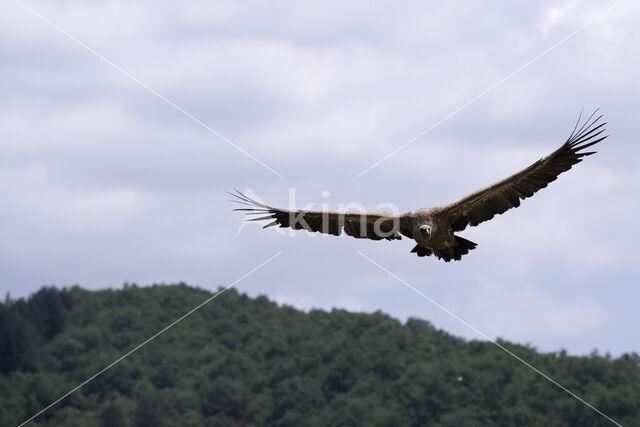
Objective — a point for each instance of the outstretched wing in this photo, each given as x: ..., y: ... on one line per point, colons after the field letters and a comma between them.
x: 497, y: 198
x: 375, y: 225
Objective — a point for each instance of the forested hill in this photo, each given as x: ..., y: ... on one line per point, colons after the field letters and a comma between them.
x: 243, y: 361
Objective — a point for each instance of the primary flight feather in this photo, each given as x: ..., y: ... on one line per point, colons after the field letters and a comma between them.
x: 433, y: 228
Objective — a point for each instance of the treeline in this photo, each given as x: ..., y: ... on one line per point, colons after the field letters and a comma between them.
x: 243, y: 361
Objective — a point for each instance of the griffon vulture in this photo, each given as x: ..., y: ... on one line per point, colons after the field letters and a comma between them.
x: 433, y: 228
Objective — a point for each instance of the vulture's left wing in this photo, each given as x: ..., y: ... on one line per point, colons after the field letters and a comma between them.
x: 375, y: 225
x: 484, y: 204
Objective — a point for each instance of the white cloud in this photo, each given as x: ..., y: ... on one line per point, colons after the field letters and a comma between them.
x: 523, y: 313
x: 90, y: 159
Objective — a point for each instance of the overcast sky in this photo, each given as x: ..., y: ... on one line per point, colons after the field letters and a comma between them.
x: 103, y: 181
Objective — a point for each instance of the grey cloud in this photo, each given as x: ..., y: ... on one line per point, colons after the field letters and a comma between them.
x: 103, y: 182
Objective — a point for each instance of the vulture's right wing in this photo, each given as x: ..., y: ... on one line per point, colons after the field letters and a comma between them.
x: 375, y: 225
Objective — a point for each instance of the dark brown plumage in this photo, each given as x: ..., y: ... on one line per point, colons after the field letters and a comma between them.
x: 433, y: 228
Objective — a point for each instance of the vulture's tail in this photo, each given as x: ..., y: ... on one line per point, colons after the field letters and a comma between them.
x: 462, y: 247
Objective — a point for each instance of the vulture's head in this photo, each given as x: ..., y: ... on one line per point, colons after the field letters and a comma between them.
x: 425, y: 231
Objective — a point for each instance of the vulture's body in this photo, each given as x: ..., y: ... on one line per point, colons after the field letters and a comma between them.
x: 433, y: 228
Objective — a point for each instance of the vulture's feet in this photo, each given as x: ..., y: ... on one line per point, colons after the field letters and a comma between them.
x: 461, y: 247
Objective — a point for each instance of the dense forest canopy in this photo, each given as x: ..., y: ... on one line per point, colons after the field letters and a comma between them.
x: 243, y: 361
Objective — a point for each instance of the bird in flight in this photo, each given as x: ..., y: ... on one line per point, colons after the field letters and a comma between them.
x: 433, y: 228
